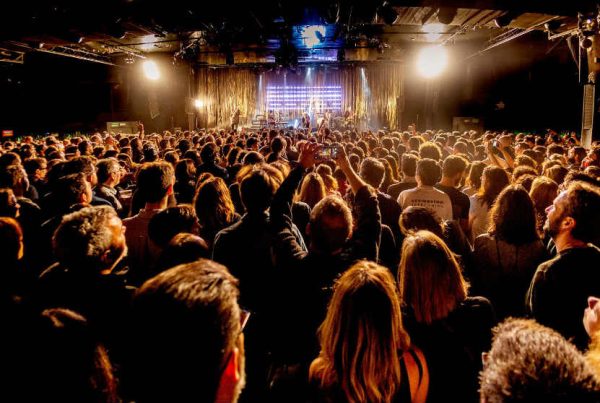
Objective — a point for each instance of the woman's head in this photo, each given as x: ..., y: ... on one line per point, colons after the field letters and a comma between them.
x: 493, y: 180
x: 362, y: 335
x: 430, y: 279
x: 312, y: 189
x: 213, y: 204
x: 513, y: 216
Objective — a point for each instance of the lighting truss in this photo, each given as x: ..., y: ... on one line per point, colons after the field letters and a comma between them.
x: 11, y: 56
x: 76, y: 53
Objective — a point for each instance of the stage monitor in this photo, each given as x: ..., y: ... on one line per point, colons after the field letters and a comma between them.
x: 462, y: 124
x: 122, y: 127
x: 312, y: 99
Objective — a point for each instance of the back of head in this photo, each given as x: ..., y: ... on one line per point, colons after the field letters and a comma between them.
x: 494, y: 179
x: 454, y: 165
x: 529, y: 362
x: 428, y: 171
x: 513, y: 216
x: 185, y: 323
x: 183, y: 248
x: 208, y: 153
x: 312, y: 189
x: 416, y: 218
x: 429, y: 277
x: 430, y: 150
x: 154, y: 181
x: 84, y: 240
x: 258, y: 184
x: 330, y: 225
x: 64, y: 361
x: 372, y: 171
x: 167, y: 223
x: 409, y: 164
x: 362, y: 336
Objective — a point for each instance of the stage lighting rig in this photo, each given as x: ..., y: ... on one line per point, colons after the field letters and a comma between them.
x: 446, y: 15
x: 588, y: 24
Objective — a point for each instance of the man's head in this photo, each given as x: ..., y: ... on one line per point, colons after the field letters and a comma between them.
x: 14, y: 177
x: 90, y: 241
x: 83, y: 164
x: 372, y: 171
x: 529, y: 362
x: 454, y: 168
x: 428, y: 172
x: 330, y: 225
x: 409, y: 164
x: 36, y: 168
x: 187, y: 342
x: 258, y: 184
x: 576, y: 213
x: 155, y: 181
x: 109, y: 172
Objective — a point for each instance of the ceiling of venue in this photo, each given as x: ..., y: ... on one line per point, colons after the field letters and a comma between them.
x: 272, y: 31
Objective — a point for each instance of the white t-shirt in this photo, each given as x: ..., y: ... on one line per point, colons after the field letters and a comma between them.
x: 478, y: 217
x: 429, y: 197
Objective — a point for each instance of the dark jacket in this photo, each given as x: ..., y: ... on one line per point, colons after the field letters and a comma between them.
x: 311, y: 274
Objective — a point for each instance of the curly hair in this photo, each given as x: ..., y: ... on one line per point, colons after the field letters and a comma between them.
x: 529, y: 362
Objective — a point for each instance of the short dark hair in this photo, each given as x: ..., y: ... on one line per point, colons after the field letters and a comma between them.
x: 258, y: 185
x: 154, y: 180
x: 70, y: 188
x: 453, y: 165
x: 165, y: 224
x: 529, y: 362
x: 185, y: 323
x: 106, y: 167
x: 83, y: 164
x: 583, y: 205
x: 409, y: 164
x: 372, y: 171
x: 429, y: 171
x: 208, y: 153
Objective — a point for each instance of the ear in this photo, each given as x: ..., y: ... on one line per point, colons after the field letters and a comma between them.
x: 231, y: 376
x: 568, y: 223
x: 170, y: 190
x: 308, y: 229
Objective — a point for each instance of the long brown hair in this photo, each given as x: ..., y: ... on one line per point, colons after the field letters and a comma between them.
x: 513, y: 216
x: 213, y: 205
x: 312, y: 189
x: 493, y: 180
x: 429, y: 277
x: 362, y: 336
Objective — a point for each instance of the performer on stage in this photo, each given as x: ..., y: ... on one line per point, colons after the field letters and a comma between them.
x: 271, y: 118
x: 235, y: 119
x: 306, y: 121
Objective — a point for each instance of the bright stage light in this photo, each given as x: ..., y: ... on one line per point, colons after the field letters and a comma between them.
x: 151, y: 70
x: 313, y: 35
x: 433, y: 32
x: 198, y: 103
x: 432, y: 61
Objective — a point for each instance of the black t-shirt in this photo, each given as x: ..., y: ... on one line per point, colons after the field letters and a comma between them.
x: 460, y: 202
x: 558, y: 293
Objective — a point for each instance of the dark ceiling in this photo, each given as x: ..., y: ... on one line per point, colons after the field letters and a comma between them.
x: 117, y: 31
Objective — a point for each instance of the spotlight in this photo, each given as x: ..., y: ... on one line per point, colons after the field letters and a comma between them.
x: 432, y: 61
x: 446, y: 15
x: 151, y: 70
x: 198, y: 103
x: 586, y: 43
x: 387, y: 13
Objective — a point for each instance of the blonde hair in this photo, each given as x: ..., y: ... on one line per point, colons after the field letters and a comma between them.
x: 312, y: 190
x: 362, y: 337
x: 429, y: 277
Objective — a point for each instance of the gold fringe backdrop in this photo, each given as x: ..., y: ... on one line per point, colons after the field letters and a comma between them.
x: 375, y: 92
